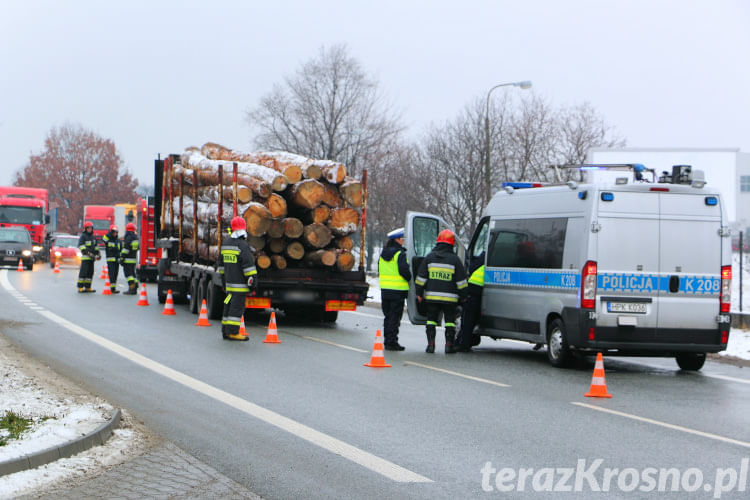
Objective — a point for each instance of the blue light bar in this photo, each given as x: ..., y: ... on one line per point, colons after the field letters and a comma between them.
x: 608, y: 196
x: 712, y: 201
x: 522, y: 185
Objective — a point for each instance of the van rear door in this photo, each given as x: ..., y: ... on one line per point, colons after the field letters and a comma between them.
x: 690, y: 253
x: 628, y: 263
x: 420, y: 233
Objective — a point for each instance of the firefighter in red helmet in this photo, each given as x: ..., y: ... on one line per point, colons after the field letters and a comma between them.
x: 129, y: 257
x: 237, y: 265
x: 441, y: 284
x: 112, y: 248
x: 89, y: 253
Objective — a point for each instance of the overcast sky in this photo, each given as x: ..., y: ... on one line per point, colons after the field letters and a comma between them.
x: 157, y: 76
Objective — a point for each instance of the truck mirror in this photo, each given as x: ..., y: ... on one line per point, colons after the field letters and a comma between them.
x: 46, y: 219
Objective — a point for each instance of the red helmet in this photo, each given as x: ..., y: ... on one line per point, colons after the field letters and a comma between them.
x: 113, y: 228
x: 130, y: 227
x: 238, y: 223
x: 446, y: 236
x: 88, y: 223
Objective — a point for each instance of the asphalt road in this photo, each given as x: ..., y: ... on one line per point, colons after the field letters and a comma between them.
x: 305, y: 419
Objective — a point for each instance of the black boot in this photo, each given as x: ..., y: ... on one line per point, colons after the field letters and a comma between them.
x: 132, y: 288
x: 430, y: 340
x: 450, y: 334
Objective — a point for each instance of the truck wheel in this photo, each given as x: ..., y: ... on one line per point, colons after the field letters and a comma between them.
x: 558, y: 352
x: 330, y: 316
x: 691, y: 361
x: 214, y: 301
x: 194, y: 304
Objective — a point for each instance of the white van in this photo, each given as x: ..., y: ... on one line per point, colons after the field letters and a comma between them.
x: 629, y: 267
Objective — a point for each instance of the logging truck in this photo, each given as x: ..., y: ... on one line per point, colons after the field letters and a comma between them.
x: 303, y: 218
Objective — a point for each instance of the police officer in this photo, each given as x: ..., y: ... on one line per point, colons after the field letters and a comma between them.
x: 441, y: 284
x: 128, y: 256
x: 237, y: 265
x: 89, y: 253
x: 393, y: 270
x: 112, y: 249
x: 472, y: 308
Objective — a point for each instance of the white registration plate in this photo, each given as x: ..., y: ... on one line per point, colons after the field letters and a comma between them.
x: 627, y: 307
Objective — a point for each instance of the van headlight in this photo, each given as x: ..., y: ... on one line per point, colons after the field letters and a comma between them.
x: 26, y: 253
x: 36, y: 248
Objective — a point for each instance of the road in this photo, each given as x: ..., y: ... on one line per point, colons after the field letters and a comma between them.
x: 305, y: 419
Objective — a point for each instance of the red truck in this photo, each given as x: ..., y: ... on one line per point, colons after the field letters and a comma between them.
x: 27, y: 207
x: 101, y: 216
x: 149, y: 255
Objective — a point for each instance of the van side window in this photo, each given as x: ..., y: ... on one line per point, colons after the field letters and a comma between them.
x: 425, y: 234
x: 480, y: 243
x: 532, y: 243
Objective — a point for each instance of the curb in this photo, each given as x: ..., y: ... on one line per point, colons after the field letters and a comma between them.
x: 95, y: 438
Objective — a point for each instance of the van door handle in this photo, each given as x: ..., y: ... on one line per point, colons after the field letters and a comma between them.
x: 674, y: 284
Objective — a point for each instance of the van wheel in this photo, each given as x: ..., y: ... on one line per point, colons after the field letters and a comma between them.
x: 691, y: 361
x: 558, y: 352
x: 194, y: 304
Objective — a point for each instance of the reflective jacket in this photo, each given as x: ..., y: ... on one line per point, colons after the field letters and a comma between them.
x: 87, y: 246
x: 476, y: 272
x: 393, y: 270
x: 441, y: 277
x: 236, y: 263
x: 112, y: 247
x: 129, y: 250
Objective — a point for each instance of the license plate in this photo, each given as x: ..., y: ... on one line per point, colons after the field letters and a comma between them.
x: 627, y: 307
x: 299, y: 296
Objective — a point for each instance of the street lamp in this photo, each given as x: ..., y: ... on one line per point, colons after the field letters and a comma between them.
x: 526, y: 84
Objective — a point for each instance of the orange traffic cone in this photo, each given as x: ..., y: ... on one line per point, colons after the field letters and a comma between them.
x: 107, y: 288
x: 598, y: 385
x: 105, y: 273
x: 242, y: 326
x: 203, y: 318
x: 169, y: 305
x: 56, y: 270
x: 143, y: 298
x: 272, y: 336
x: 377, y: 360
x: 20, y: 265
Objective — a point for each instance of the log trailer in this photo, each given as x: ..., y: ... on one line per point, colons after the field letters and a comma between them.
x: 314, y: 286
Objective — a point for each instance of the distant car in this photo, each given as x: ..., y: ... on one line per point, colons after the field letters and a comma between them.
x: 64, y: 249
x: 15, y: 244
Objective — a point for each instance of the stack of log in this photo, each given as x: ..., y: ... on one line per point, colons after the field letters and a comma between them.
x: 299, y: 211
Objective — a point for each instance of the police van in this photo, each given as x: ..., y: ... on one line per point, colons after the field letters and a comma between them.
x: 626, y: 267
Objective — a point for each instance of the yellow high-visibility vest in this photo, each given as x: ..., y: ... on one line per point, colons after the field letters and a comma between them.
x: 390, y: 279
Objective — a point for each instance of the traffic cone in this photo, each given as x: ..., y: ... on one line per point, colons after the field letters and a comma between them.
x: 242, y: 326
x: 20, y: 265
x: 377, y: 360
x: 56, y: 270
x: 203, y: 318
x: 143, y: 298
x: 107, y: 288
x: 598, y: 385
x: 272, y: 336
x: 169, y: 305
x: 105, y: 273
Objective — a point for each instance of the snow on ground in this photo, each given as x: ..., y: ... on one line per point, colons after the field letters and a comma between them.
x: 736, y: 282
x: 738, y: 345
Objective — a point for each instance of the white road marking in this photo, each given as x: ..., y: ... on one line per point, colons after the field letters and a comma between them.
x: 329, y: 443
x: 725, y: 377
x: 403, y: 321
x: 322, y: 341
x: 37, y: 308
x: 708, y: 435
x: 449, y: 372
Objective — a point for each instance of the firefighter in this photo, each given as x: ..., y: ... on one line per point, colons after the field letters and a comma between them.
x: 89, y: 253
x: 237, y: 265
x: 112, y: 249
x: 472, y: 309
x: 128, y: 257
x: 393, y: 270
x: 441, y: 284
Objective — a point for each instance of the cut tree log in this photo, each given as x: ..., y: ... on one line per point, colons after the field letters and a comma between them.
x: 210, y: 194
x: 276, y: 229
x: 294, y: 250
x: 262, y: 189
x: 276, y: 161
x: 293, y: 228
x: 276, y: 204
x: 321, y: 258
x: 257, y: 242
x: 275, y: 245
x: 345, y: 243
x: 311, y: 171
x: 319, y: 214
x: 335, y: 173
x: 344, y: 260
x: 262, y: 261
x: 343, y: 221
x: 331, y: 196
x: 351, y: 192
x: 317, y: 235
x: 258, y: 219
x: 197, y: 161
x: 279, y: 262
x: 307, y: 193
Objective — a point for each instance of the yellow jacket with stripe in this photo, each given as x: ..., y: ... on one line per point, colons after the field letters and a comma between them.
x: 236, y: 263
x: 441, y: 277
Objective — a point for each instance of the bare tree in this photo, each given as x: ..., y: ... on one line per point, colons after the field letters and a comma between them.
x: 79, y: 168
x: 328, y: 109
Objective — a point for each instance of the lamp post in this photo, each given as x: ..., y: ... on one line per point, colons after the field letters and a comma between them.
x: 487, y: 171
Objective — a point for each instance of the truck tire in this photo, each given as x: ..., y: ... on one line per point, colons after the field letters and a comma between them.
x: 690, y: 361
x: 558, y: 352
x: 214, y: 301
x: 194, y: 304
x: 330, y: 316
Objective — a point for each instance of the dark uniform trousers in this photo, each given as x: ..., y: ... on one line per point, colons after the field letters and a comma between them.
x: 234, y: 309
x: 85, y: 273
x: 469, y: 316
x: 393, y: 310
x: 113, y: 268
x: 450, y: 311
